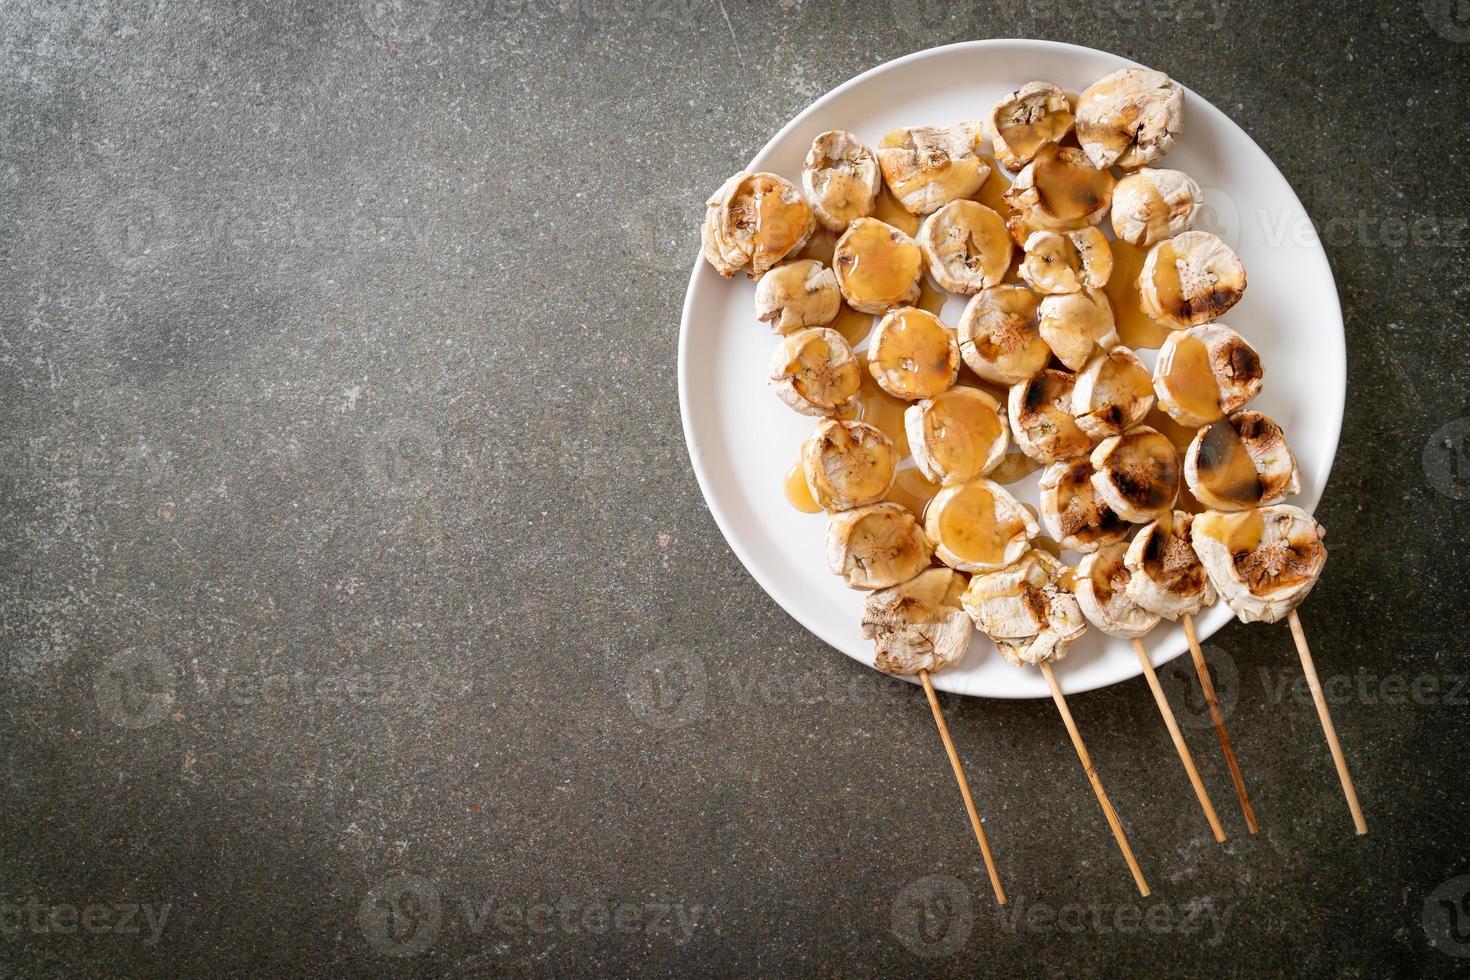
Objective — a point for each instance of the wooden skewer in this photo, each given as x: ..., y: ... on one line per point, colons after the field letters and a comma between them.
x: 959, y: 775
x: 1178, y: 737
x: 1208, y: 687
x: 1338, y: 759
x: 1092, y: 777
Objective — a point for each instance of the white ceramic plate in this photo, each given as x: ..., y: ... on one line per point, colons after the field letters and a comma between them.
x: 742, y: 439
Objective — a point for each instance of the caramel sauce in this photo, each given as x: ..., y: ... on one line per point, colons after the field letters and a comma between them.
x: 911, y: 490
x: 1025, y: 139
x: 779, y: 225
x: 881, y: 410
x: 877, y: 266
x: 991, y: 193
x: 854, y: 325
x: 1191, y: 379
x: 970, y: 527
x: 798, y: 494
x: 887, y: 209
x: 901, y: 353
x: 1226, y: 468
x: 1136, y: 328
x: 1069, y: 191
x: 820, y: 247
x: 845, y: 196
x: 1013, y: 467
x: 960, y: 427
x: 1048, y: 545
x: 1239, y: 531
x: 1166, y: 277
x: 931, y: 299
x: 813, y: 356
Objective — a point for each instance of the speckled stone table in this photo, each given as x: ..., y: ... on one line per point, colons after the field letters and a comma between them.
x: 360, y: 611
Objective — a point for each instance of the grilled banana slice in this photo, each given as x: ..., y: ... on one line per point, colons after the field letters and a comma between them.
x: 797, y: 294
x: 920, y: 624
x: 1152, y: 205
x: 1262, y: 562
x: 1166, y: 577
x: 999, y: 336
x: 913, y: 354
x: 1114, y: 391
x: 1239, y: 462
x: 967, y: 247
x: 1059, y: 190
x: 878, y: 267
x: 1077, y: 326
x: 841, y: 179
x: 1129, y: 118
x: 877, y: 546
x: 958, y: 435
x: 1137, y: 473
x: 1190, y: 279
x: 848, y: 464
x: 927, y: 167
x: 977, y: 526
x: 816, y: 373
x: 1066, y: 261
x: 1073, y: 512
x: 1041, y: 417
x: 1023, y: 121
x: 1028, y: 608
x: 1102, y: 592
x: 754, y: 221
x: 1205, y: 373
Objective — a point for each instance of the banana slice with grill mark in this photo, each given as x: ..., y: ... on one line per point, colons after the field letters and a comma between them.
x: 1023, y: 121
x: 877, y: 546
x: 1077, y: 326
x: 913, y: 354
x: 919, y: 624
x: 1190, y: 279
x: 878, y: 267
x: 1240, y: 462
x: 966, y: 246
x: 1041, y: 417
x: 1073, y: 512
x: 1166, y: 577
x: 1129, y: 118
x: 816, y: 373
x: 1137, y: 473
x: 957, y: 435
x: 796, y: 295
x: 753, y: 222
x: 1102, y: 592
x: 1059, y: 190
x: 926, y: 167
x: 1067, y: 261
x: 848, y: 464
x: 1205, y: 373
x: 1114, y: 392
x: 999, y: 336
x: 1028, y: 608
x: 978, y: 525
x: 1262, y: 562
x: 1152, y: 205
x: 841, y: 179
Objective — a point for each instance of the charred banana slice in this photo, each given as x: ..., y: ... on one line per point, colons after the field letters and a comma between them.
x: 797, y: 294
x: 877, y: 546
x: 1262, y: 562
x: 1077, y: 326
x: 920, y: 624
x: 1041, y: 417
x: 999, y: 335
x: 841, y: 179
x: 1239, y: 462
x: 1114, y: 391
x: 913, y: 354
x: 878, y: 267
x: 1166, y: 577
x: 816, y: 373
x: 978, y: 525
x: 1205, y: 373
x: 1152, y: 205
x: 1137, y: 473
x: 1129, y: 118
x: 967, y: 247
x: 956, y: 436
x: 1059, y: 190
x: 1074, y: 515
x: 1190, y: 279
x: 753, y: 222
x: 926, y: 167
x: 1102, y: 592
x: 848, y: 464
x: 1028, y: 609
x: 1066, y: 261
x: 1023, y: 121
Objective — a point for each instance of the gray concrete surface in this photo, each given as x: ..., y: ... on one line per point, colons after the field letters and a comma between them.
x: 341, y: 537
